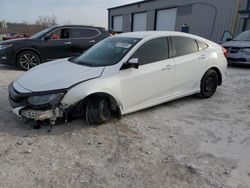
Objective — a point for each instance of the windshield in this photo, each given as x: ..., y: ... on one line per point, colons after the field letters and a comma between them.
x: 41, y: 33
x: 107, y: 52
x: 245, y: 36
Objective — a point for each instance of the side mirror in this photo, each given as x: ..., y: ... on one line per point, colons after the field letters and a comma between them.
x: 227, y: 36
x: 134, y: 63
x: 46, y: 38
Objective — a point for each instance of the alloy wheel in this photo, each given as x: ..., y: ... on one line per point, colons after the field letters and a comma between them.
x: 28, y: 61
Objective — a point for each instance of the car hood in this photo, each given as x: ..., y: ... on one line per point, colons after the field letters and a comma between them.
x: 240, y: 44
x: 55, y: 75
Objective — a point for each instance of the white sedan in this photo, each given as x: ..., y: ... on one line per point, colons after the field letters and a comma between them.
x: 120, y: 75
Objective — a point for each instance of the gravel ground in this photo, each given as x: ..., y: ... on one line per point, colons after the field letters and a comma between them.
x: 185, y: 143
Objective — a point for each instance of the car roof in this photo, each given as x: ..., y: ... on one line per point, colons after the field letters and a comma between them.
x: 145, y: 34
x: 89, y: 26
x: 152, y: 34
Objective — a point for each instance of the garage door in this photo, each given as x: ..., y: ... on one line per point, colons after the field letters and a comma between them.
x: 117, y: 23
x: 166, y: 19
x: 139, y: 21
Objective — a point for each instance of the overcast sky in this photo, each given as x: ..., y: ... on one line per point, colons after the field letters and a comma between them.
x: 85, y: 12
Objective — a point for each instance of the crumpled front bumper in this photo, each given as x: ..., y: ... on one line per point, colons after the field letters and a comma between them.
x: 39, y: 115
x: 22, y: 108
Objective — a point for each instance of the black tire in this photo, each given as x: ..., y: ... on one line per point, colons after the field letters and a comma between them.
x: 209, y: 84
x: 98, y: 111
x: 27, y: 60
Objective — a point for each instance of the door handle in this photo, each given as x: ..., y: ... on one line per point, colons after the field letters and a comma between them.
x: 91, y: 41
x: 203, y: 57
x: 67, y: 43
x: 167, y: 67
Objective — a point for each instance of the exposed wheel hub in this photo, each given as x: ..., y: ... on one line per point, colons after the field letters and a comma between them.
x: 209, y: 85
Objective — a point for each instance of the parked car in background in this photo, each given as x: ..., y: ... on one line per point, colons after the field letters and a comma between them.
x: 15, y: 36
x: 119, y: 75
x: 238, y: 48
x: 52, y: 43
x: 1, y: 36
x: 9, y: 35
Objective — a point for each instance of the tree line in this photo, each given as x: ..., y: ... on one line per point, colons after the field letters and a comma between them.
x: 30, y: 28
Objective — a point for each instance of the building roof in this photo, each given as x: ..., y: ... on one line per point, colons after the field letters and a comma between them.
x: 130, y: 4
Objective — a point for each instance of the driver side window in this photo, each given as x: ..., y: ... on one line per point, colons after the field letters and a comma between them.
x: 59, y: 34
x: 152, y: 51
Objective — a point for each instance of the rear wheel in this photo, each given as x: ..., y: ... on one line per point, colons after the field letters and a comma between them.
x: 27, y: 60
x: 98, y: 110
x: 209, y: 84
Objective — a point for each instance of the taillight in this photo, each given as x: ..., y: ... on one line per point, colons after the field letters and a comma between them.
x: 224, y: 51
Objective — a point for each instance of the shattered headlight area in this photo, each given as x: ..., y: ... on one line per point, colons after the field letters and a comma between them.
x: 50, y: 99
x: 38, y: 106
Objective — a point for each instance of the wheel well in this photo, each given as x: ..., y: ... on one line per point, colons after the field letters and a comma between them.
x: 219, y: 75
x: 23, y: 50
x: 79, y: 108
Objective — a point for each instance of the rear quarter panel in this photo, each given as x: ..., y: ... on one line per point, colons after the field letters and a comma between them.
x: 217, y: 59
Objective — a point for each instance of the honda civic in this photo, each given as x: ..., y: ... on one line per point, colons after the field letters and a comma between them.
x: 120, y: 75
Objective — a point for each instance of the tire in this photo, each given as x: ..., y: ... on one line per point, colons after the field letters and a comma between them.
x: 209, y: 83
x: 27, y: 60
x: 98, y: 111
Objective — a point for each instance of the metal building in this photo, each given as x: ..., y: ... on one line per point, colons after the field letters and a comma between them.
x: 206, y: 18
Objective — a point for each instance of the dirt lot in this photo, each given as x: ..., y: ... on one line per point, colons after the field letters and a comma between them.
x: 186, y: 143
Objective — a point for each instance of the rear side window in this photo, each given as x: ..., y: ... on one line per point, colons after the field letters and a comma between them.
x: 202, y: 45
x: 185, y: 46
x: 83, y: 33
x: 152, y: 51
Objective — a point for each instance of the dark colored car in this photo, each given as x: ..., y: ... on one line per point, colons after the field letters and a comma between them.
x: 238, y: 47
x: 52, y: 43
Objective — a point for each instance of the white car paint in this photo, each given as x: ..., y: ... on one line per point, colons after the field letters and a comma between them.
x: 64, y: 74
x: 132, y: 89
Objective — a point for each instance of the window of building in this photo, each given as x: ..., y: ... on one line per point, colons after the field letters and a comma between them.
x: 139, y: 22
x: 166, y: 19
x: 117, y: 22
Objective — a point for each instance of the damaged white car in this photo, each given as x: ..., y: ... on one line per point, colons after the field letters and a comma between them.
x: 119, y: 75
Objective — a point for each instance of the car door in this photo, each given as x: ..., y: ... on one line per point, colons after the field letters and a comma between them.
x: 57, y: 44
x: 153, y: 80
x: 83, y: 38
x: 190, y: 61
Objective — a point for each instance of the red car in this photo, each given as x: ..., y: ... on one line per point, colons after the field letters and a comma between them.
x: 15, y: 36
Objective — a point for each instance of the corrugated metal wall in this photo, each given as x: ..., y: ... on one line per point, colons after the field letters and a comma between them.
x: 207, y: 18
